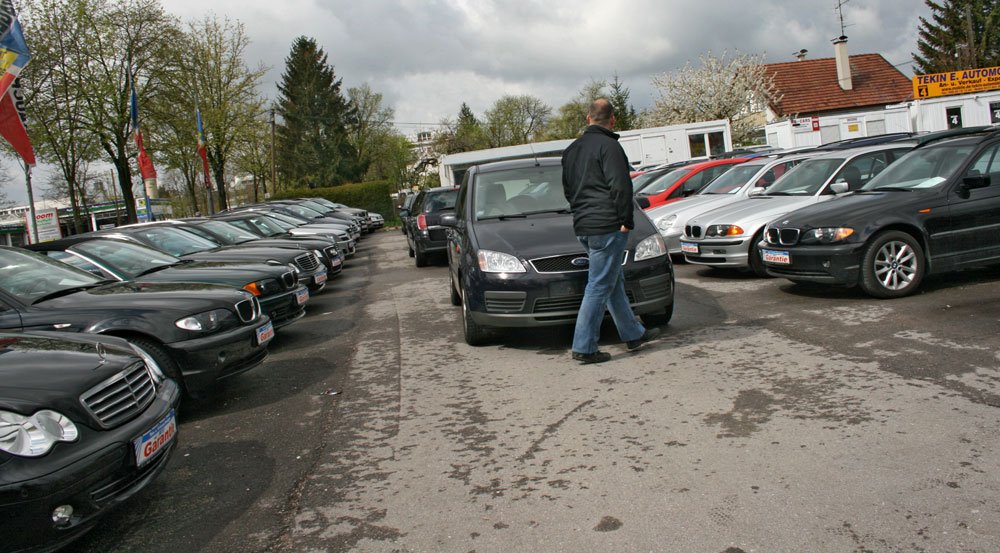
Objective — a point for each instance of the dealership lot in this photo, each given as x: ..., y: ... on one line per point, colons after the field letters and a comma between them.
x: 771, y: 417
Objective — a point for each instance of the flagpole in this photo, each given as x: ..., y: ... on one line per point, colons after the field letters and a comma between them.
x: 31, y: 205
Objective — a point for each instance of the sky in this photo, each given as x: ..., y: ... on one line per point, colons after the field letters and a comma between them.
x: 427, y: 57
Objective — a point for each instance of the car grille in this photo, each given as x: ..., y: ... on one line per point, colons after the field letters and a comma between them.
x: 566, y: 303
x: 692, y: 231
x: 248, y: 309
x: 563, y: 263
x: 307, y: 262
x: 785, y: 236
x: 504, y: 306
x: 288, y: 280
x: 122, y: 397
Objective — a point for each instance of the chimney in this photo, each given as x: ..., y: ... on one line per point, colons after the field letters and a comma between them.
x: 801, y: 54
x: 843, y: 62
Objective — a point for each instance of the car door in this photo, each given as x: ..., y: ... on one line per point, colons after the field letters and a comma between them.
x: 859, y: 170
x: 975, y: 213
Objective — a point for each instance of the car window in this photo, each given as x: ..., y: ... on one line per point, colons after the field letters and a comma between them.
x: 858, y: 171
x: 78, y: 262
x: 664, y: 182
x: 734, y: 179
x: 806, y: 179
x: 988, y: 163
x: 173, y: 241
x: 231, y: 233
x: 29, y: 276
x: 131, y: 259
x: 440, y: 201
x: 921, y: 168
x: 520, y: 191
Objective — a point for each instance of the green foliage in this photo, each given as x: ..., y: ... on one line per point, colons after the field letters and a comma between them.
x: 516, y: 120
x: 313, y: 146
x: 626, y: 118
x: 376, y: 196
x: 962, y: 34
x: 572, y: 117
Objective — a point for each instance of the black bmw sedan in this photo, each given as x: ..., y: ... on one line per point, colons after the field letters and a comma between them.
x: 198, y: 334
x: 936, y: 209
x: 280, y: 295
x: 515, y: 261
x: 86, y: 422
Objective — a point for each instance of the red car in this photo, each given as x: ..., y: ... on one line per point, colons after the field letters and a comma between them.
x: 684, y: 181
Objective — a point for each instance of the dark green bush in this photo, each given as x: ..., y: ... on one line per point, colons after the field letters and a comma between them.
x: 375, y: 196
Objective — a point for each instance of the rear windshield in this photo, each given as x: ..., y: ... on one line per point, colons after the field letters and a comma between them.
x: 440, y: 201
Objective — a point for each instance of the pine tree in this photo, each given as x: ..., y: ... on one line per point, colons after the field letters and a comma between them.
x: 625, y: 116
x: 313, y: 147
x: 961, y: 34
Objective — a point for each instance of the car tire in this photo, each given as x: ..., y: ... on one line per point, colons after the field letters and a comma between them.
x: 658, y: 319
x: 892, y: 265
x: 159, y: 354
x: 475, y: 335
x: 419, y: 257
x: 456, y: 298
x: 409, y: 247
x: 754, y: 258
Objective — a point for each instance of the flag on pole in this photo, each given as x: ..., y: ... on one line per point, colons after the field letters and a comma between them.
x: 14, y: 55
x: 202, y: 149
x: 146, y: 168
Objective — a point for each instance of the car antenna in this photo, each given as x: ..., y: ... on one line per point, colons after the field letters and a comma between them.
x: 534, y: 155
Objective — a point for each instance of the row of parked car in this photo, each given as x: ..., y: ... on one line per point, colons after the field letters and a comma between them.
x: 103, y: 333
x: 879, y: 213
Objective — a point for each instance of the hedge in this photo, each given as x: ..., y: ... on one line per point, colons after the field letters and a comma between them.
x: 375, y: 196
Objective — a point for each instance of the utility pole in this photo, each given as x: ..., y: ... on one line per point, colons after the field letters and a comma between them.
x: 33, y: 234
x: 274, y: 175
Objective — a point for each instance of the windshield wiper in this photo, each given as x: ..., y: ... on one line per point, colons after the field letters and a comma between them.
x: 563, y: 210
x: 158, y: 268
x: 68, y: 291
x: 890, y: 188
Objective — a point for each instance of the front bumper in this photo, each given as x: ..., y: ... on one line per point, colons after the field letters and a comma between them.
x: 204, y: 361
x: 535, y: 299
x: 103, y: 475
x: 284, y: 308
x: 827, y: 264
x: 724, y: 252
x: 673, y: 241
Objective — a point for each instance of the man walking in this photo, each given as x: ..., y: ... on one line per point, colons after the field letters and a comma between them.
x: 597, y: 185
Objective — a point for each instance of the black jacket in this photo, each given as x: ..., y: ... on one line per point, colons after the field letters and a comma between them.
x: 597, y: 184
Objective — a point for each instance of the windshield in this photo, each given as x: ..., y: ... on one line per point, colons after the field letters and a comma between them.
x: 290, y: 219
x: 519, y: 192
x: 173, y: 241
x: 271, y: 220
x: 921, y: 168
x: 642, y: 180
x: 664, y: 182
x: 731, y: 181
x: 302, y: 211
x: 806, y: 179
x: 319, y: 208
x: 29, y: 276
x: 131, y: 259
x: 230, y: 233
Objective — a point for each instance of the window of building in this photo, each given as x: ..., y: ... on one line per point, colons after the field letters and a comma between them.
x: 954, y: 116
x: 995, y: 112
x: 705, y: 144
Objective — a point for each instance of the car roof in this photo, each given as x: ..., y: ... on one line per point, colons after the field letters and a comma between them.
x: 516, y: 163
x: 854, y: 152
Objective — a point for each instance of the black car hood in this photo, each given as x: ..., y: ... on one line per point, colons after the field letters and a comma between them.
x: 51, y: 370
x: 232, y: 274
x: 534, y: 236
x: 179, y: 297
x: 847, y: 209
x: 257, y: 254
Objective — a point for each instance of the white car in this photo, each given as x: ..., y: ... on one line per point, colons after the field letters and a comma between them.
x: 734, y: 185
x: 728, y: 236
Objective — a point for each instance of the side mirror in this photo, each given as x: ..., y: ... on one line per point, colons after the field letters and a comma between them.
x: 977, y: 181
x: 758, y: 191
x: 839, y: 187
x: 448, y: 220
x: 642, y: 202
x: 404, y: 212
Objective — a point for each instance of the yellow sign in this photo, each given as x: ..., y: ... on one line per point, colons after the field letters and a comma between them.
x: 965, y: 81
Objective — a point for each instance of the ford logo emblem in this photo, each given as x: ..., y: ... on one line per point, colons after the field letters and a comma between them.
x: 580, y: 262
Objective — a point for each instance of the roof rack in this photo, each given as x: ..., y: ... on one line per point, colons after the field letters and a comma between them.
x: 927, y: 138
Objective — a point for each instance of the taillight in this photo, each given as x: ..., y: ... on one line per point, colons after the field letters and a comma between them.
x: 422, y: 222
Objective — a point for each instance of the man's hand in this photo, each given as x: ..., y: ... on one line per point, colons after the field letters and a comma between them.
x: 624, y: 229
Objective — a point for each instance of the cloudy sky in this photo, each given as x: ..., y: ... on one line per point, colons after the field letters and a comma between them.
x: 428, y: 56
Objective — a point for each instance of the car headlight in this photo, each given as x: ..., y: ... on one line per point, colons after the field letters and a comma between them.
x: 663, y: 224
x: 34, y: 436
x: 826, y: 235
x: 294, y: 268
x: 264, y: 287
x: 499, y: 262
x: 723, y: 230
x: 151, y: 365
x: 318, y: 254
x: 209, y: 321
x: 651, y: 247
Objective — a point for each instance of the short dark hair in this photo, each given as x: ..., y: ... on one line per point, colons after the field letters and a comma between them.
x: 601, y: 112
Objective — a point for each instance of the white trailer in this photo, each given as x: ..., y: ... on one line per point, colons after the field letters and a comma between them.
x: 651, y: 146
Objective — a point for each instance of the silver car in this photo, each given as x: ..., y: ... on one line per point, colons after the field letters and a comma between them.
x: 734, y: 185
x: 728, y: 236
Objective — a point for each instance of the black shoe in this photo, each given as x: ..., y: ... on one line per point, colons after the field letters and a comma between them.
x: 648, y: 336
x: 588, y: 358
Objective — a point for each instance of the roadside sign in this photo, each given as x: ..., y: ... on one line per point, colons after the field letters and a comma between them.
x: 47, y: 221
x: 965, y: 81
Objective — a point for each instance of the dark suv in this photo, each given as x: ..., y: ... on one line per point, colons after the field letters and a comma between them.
x: 515, y: 261
x: 937, y: 209
x: 424, y: 233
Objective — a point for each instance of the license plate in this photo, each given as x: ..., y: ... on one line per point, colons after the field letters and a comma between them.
x: 688, y: 247
x: 302, y: 296
x: 265, y: 333
x: 776, y: 257
x: 336, y: 262
x: 320, y: 277
x: 155, y: 439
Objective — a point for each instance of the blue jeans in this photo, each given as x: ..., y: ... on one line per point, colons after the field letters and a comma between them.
x: 605, y: 289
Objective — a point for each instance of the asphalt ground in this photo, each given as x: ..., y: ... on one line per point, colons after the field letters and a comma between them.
x: 770, y: 417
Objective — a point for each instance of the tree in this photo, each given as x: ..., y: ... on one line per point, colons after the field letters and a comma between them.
x: 515, y: 120
x: 105, y: 42
x: 393, y: 160
x: 464, y: 135
x: 962, y: 34
x: 722, y: 88
x: 625, y: 116
x: 572, y: 117
x: 313, y: 144
x: 371, y: 122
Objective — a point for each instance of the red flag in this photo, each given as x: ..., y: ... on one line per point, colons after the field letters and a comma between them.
x: 14, y: 55
x: 145, y: 163
x: 202, y: 150
x: 12, y: 123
